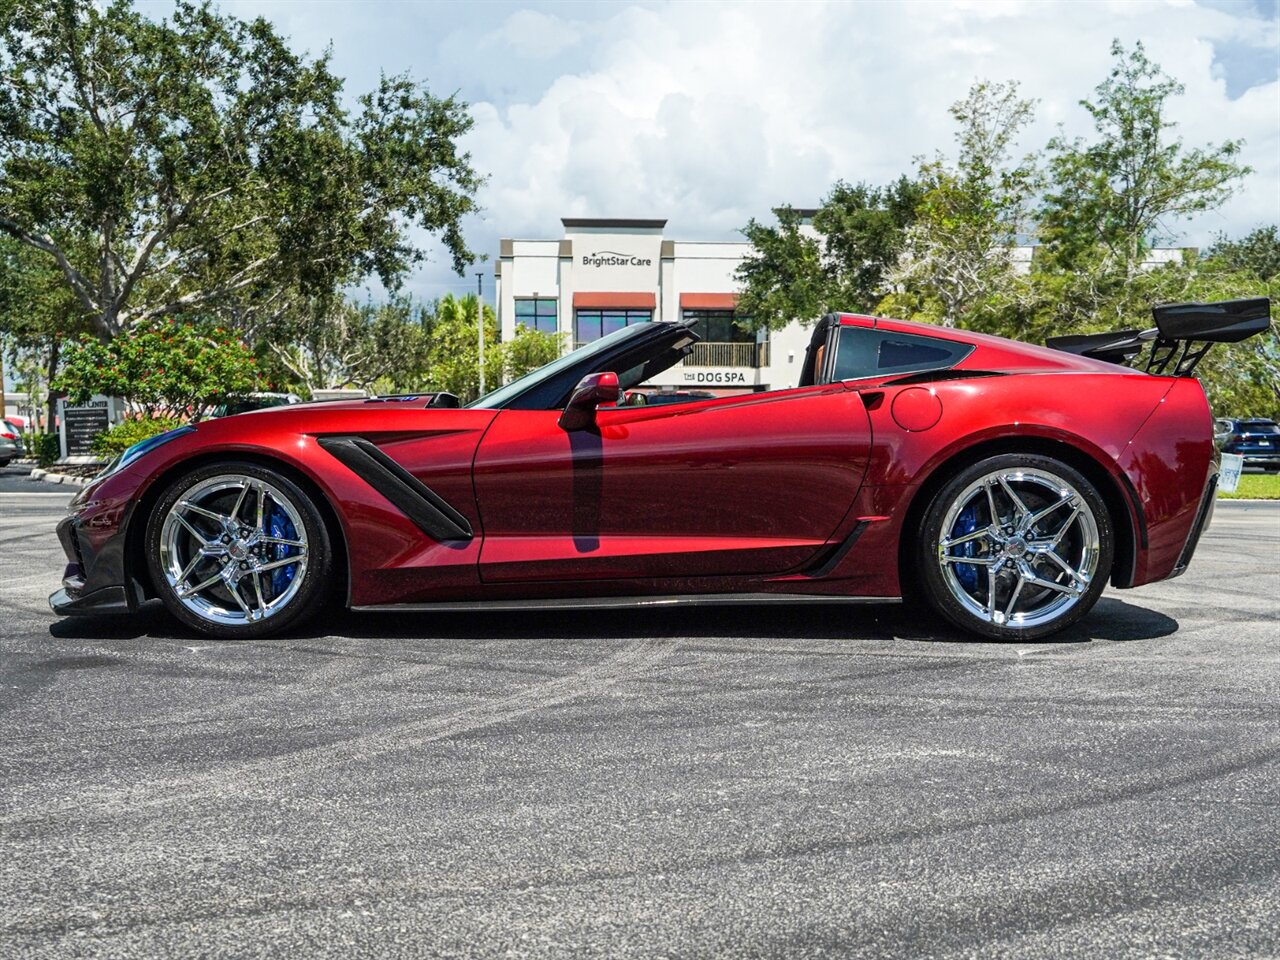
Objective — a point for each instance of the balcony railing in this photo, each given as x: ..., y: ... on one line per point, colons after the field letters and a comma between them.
x: 728, y: 355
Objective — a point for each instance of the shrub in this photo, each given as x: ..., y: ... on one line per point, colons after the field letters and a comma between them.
x: 161, y: 369
x: 125, y: 434
x: 45, y: 447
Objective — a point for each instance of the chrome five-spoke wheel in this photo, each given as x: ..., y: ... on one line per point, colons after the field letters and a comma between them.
x: 1017, y: 546
x: 232, y: 551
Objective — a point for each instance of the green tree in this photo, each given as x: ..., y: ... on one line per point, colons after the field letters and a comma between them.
x: 1257, y: 254
x: 1241, y: 379
x: 204, y: 166
x: 1122, y: 190
x: 528, y: 350
x: 782, y: 278
x: 162, y: 369
x: 956, y: 256
x: 454, y: 357
x: 331, y: 342
x: 863, y: 230
x: 1109, y: 199
x: 792, y: 273
x: 38, y: 314
x: 399, y: 347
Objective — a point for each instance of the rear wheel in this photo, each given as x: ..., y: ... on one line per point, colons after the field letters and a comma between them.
x: 238, y: 550
x: 1017, y: 546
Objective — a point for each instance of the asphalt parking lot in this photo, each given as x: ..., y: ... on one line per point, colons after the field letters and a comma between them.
x: 824, y: 781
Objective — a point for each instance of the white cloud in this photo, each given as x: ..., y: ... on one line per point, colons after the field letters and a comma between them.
x: 710, y: 114
x: 537, y: 35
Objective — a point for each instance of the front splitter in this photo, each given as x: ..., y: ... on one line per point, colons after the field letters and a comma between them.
x: 106, y: 600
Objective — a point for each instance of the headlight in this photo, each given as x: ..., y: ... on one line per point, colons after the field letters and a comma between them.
x: 142, y: 447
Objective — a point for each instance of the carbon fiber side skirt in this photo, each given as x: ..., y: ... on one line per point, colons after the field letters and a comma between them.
x: 623, y: 603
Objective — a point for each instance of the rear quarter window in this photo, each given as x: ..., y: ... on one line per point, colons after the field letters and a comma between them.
x: 864, y: 352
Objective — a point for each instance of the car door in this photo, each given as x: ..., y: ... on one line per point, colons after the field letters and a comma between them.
x: 745, y: 485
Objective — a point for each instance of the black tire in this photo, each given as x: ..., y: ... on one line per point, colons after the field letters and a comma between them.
x: 1087, y: 535
x: 297, y: 603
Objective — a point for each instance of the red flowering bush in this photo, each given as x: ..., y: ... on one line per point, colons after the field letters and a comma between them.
x: 164, y: 370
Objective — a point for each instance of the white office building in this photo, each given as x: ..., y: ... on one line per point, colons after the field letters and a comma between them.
x: 606, y: 274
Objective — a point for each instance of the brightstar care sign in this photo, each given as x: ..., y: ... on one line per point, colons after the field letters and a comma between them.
x: 608, y: 258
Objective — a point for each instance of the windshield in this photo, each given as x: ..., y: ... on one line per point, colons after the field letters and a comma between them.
x: 497, y: 398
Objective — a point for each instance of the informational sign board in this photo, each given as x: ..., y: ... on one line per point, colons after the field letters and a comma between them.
x: 1229, y: 472
x: 78, y: 424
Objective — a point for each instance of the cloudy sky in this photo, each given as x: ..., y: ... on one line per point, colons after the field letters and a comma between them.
x: 709, y: 114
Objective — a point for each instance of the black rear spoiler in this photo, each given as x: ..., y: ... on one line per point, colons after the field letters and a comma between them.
x: 1183, y: 334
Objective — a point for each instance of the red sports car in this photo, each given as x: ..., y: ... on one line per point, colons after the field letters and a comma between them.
x: 1004, y: 483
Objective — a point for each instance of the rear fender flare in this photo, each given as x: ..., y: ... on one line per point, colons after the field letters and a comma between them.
x: 1115, y: 487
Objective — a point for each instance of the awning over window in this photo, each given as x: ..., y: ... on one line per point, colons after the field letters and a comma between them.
x: 708, y: 301
x: 615, y: 300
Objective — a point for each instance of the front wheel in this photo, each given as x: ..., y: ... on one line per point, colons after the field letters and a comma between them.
x: 1016, y: 547
x: 237, y: 550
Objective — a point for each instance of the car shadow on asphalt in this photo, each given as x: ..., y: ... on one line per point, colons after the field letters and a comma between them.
x: 1111, y: 620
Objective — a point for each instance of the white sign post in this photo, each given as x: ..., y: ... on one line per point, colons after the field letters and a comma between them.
x: 1229, y: 472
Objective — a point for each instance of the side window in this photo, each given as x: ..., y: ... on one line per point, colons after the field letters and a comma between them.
x: 866, y: 352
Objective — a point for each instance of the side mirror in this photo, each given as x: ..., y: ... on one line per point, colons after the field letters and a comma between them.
x: 591, y: 391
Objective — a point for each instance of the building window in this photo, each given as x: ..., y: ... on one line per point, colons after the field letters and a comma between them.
x: 537, y: 315
x: 719, y: 326
x: 591, y: 325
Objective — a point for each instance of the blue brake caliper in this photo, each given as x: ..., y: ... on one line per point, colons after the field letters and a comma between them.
x: 279, y: 525
x: 967, y: 522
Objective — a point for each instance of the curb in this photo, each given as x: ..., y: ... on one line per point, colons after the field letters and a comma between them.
x: 47, y: 477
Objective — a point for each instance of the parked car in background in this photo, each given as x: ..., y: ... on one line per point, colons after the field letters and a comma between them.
x: 1255, y: 439
x: 254, y: 401
x: 11, y: 447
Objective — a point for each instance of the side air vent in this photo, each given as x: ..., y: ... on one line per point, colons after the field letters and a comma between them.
x: 426, y: 508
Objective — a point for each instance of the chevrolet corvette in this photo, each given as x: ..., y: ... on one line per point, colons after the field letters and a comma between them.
x: 1004, y: 484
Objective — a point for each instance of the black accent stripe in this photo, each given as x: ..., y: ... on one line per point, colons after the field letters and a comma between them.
x: 426, y: 508
x: 1207, y: 502
x: 1137, y: 512
x: 937, y: 376
x: 839, y: 552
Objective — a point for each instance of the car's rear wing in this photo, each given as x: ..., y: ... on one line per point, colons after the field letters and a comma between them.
x: 1183, y: 334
